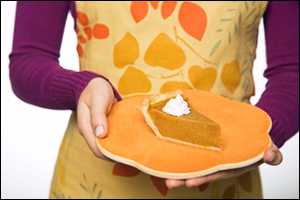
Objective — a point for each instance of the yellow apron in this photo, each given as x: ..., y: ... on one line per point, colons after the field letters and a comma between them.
x: 150, y: 47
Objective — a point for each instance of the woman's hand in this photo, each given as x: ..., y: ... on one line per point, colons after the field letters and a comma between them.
x: 94, y: 103
x: 272, y: 156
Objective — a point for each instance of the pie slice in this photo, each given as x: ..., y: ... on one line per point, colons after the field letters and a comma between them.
x: 192, y: 129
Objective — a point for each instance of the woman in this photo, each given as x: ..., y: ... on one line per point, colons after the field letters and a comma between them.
x: 202, y: 45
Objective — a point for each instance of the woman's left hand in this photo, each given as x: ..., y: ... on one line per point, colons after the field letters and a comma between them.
x: 272, y: 156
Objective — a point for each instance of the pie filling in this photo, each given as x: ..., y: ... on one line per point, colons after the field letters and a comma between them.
x: 193, y: 128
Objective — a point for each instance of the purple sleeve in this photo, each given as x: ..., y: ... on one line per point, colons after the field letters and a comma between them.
x: 281, y: 96
x: 35, y: 73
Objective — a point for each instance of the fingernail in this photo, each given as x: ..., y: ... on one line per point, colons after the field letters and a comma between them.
x: 99, y: 131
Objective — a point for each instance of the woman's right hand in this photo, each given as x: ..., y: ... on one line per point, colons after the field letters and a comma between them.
x: 94, y: 103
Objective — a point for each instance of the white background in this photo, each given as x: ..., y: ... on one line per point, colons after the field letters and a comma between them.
x: 30, y: 136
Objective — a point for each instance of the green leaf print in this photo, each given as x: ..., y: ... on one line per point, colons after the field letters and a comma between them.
x: 225, y: 19
x: 215, y: 47
x: 246, y: 5
x: 90, y: 188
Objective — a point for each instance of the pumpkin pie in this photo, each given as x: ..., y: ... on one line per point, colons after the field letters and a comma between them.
x: 193, y: 129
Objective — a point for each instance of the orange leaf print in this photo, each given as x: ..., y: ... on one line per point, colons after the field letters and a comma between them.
x: 134, y: 80
x: 81, y: 39
x: 139, y: 10
x: 231, y: 75
x: 100, y: 31
x: 124, y: 170
x: 154, y: 4
x: 79, y: 50
x: 167, y: 8
x: 126, y: 51
x: 88, y: 32
x: 193, y: 19
x: 160, y: 185
x: 164, y: 52
x: 173, y: 85
x: 202, y: 78
x: 203, y: 187
x: 82, y: 18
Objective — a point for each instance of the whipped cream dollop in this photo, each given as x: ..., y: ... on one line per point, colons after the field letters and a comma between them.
x: 177, y: 106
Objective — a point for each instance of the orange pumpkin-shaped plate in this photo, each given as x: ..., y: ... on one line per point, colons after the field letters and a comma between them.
x: 244, y: 129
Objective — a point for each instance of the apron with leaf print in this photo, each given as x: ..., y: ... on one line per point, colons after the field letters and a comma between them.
x: 148, y: 47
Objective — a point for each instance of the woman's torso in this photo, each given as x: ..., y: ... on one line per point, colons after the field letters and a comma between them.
x: 150, y: 47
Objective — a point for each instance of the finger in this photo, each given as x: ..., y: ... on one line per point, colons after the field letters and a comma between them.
x: 84, y: 125
x: 173, y: 183
x: 273, y: 156
x: 278, y: 158
x: 113, y: 102
x: 111, y: 105
x: 99, y: 107
x: 196, y: 181
x: 269, y: 156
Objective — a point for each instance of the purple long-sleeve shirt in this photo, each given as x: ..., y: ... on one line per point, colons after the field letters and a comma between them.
x: 37, y: 77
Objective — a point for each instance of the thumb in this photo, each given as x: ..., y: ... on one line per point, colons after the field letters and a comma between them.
x: 99, y: 120
x: 101, y: 127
